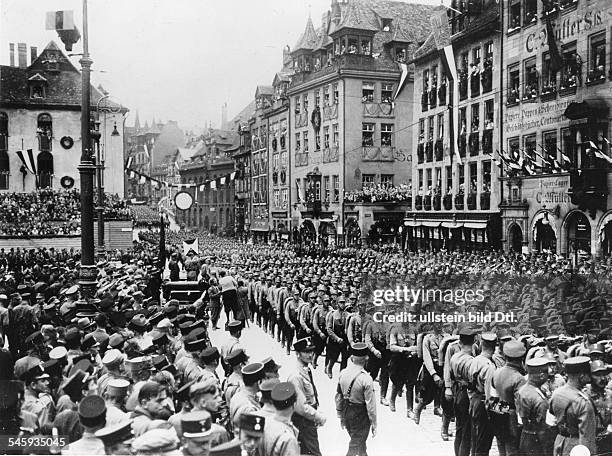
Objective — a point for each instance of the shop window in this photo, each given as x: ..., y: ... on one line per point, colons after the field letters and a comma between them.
x: 549, y: 77
x: 597, y: 58
x: 514, y: 15
x: 513, y: 84
x: 367, y: 134
x: 386, y: 135
x: 531, y: 80
x: 386, y: 93
x: 531, y: 12
x: 367, y: 92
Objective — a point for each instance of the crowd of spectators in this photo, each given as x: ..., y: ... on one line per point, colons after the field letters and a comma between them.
x: 380, y: 193
x: 49, y: 212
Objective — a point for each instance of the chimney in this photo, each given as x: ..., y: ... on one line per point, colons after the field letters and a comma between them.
x: 12, y: 53
x: 22, y: 55
x: 33, y: 54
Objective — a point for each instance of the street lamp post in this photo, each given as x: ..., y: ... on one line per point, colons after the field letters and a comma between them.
x: 88, y: 272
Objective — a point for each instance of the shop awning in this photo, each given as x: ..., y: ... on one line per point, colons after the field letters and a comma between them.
x: 588, y: 108
x: 430, y: 224
x: 452, y: 225
x: 475, y: 225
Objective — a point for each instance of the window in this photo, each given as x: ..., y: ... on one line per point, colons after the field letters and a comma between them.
x: 425, y: 80
x: 305, y: 102
x: 4, y: 170
x: 513, y: 83
x: 437, y: 179
x: 549, y: 138
x: 473, y: 167
x: 386, y: 180
x: 475, y: 117
x: 367, y: 92
x: 430, y: 128
x: 440, y: 126
x: 514, y: 148
x: 449, y: 179
x: 3, y: 131
x: 326, y: 188
x: 400, y: 54
x: 352, y: 45
x: 386, y: 135
x: 420, y: 180
x: 462, y: 121
x: 336, y: 183
x: 428, y: 173
x: 367, y: 134
x: 568, y: 146
x: 326, y: 96
x: 336, y: 135
x: 305, y: 138
x: 531, y: 80
x: 45, y: 169
x: 336, y: 93
x: 461, y: 174
x: 514, y: 18
x: 317, y: 139
x: 489, y: 50
x: 367, y: 180
x: 365, y: 46
x: 486, y: 177
x: 531, y: 11
x: 489, y: 114
x: 298, y: 105
x: 298, y: 142
x: 276, y: 198
x: 275, y: 161
x: 549, y: 77
x: 386, y: 93
x: 386, y: 25
x: 326, y: 137
x: 44, y: 132
x: 529, y: 146
x: 597, y: 58
x: 421, y: 130
x: 284, y: 197
x: 317, y: 97
x: 476, y: 56
x: 571, y: 72
x: 283, y: 157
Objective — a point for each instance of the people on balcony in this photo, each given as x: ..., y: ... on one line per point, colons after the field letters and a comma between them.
x: 380, y: 193
x: 489, y: 123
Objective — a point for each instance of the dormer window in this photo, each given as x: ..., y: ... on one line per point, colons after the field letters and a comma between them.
x: 52, y: 61
x: 365, y: 47
x: 37, y: 85
x: 400, y: 54
x: 352, y: 46
x: 386, y: 25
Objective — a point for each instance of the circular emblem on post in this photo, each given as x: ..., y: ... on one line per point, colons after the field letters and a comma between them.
x: 67, y: 142
x: 67, y: 182
x: 183, y: 200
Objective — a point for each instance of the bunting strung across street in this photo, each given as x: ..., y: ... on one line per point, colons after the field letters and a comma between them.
x: 143, y: 178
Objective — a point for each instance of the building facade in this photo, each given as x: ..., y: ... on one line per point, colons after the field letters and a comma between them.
x: 349, y: 116
x: 557, y: 121
x: 258, y: 126
x: 141, y: 145
x: 455, y: 189
x: 41, y: 111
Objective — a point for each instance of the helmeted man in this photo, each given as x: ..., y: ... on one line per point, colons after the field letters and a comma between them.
x: 337, y: 344
x: 291, y: 316
x: 379, y: 356
x: 600, y: 394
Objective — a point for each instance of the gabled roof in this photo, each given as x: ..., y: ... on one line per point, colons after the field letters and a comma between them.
x: 37, y: 77
x: 281, y: 76
x: 244, y: 115
x: 324, y: 39
x: 264, y: 90
x: 358, y: 16
x: 426, y: 48
x: 399, y: 36
x: 309, y: 38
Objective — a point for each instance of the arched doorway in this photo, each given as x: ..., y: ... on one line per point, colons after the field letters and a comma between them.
x: 605, y: 235
x: 578, y: 234
x: 45, y: 169
x: 327, y: 234
x: 515, y: 238
x: 544, y: 236
x: 353, y: 233
x: 309, y: 234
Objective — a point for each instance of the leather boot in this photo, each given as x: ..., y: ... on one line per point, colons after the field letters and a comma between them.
x: 417, y: 412
x: 444, y: 433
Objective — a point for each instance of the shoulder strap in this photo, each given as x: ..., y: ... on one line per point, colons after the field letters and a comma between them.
x: 274, y: 444
x: 348, y: 392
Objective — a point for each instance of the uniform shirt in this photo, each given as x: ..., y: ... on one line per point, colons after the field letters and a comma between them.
x: 33, y: 404
x: 280, y: 438
x: 481, y: 371
x: 531, y: 407
x: 376, y: 335
x: 306, y: 316
x: 362, y: 391
x: 267, y: 411
x: 89, y: 444
x: 307, y: 399
x: 232, y: 384
x: 229, y: 347
x: 319, y: 317
x: 572, y: 409
x: 115, y: 415
x: 431, y: 347
x: 65, y: 403
x: 290, y: 311
x: 401, y: 337
x: 335, y: 323
x: 356, y: 328
x: 143, y: 422
x: 602, y: 400
x: 460, y: 367
x: 507, y: 382
x: 244, y: 401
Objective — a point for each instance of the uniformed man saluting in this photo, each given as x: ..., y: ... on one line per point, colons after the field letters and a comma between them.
x: 572, y: 411
x: 356, y: 401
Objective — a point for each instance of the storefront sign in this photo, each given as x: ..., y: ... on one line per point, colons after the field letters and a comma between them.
x: 553, y: 191
x: 532, y: 116
x: 565, y: 29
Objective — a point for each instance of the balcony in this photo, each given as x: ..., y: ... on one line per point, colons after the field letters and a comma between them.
x: 427, y: 202
x: 330, y: 155
x: 371, y: 109
x: 301, y: 159
x: 487, y: 142
x: 474, y: 144
x: 447, y: 202
x: 330, y: 112
x: 418, y: 203
x: 471, y: 201
x: 485, y: 201
x: 459, y: 201
x: 424, y: 101
x: 377, y: 154
x: 356, y: 62
x: 442, y: 94
x: 439, y: 150
x: 302, y: 77
x: 301, y: 119
x: 462, y: 144
x: 433, y: 97
x: 429, y: 151
x: 437, y: 202
x: 420, y: 152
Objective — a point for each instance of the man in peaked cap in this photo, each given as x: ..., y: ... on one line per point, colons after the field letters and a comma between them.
x: 92, y: 415
x: 531, y: 408
x: 601, y: 398
x: 245, y: 400
x: 280, y: 435
x: 237, y: 360
x: 356, y: 400
x: 115, y: 395
x: 36, y: 398
x: 265, y: 388
x: 306, y: 417
x: 196, y: 432
x: 117, y: 437
x: 248, y: 440
x: 507, y: 381
x: 572, y: 411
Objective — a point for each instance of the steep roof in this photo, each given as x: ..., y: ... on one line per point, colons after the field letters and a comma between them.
x: 426, y: 48
x: 309, y: 38
x: 264, y: 90
x: 358, y: 16
x: 245, y: 114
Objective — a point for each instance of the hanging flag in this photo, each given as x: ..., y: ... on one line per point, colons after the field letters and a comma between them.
x: 32, y: 161
x: 565, y: 158
x: 128, y: 165
x: 201, y: 187
x: 599, y: 153
x: 403, y: 79
x: 233, y: 175
x: 213, y: 184
x: 143, y: 179
x: 131, y: 174
x: 146, y: 149
x: 223, y: 180
x: 556, y: 59
x: 300, y: 195
x: 60, y: 20
x: 23, y: 161
x: 606, y: 140
x: 191, y: 246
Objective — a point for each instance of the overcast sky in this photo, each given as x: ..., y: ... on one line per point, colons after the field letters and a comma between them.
x: 173, y: 59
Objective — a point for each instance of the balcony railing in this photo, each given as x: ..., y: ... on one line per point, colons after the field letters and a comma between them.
x: 429, y: 152
x: 371, y: 109
x: 485, y: 201
x: 447, y: 202
x: 376, y: 153
x: 471, y: 201
x: 439, y: 150
x: 459, y: 201
x: 330, y: 154
x: 437, y: 202
x: 427, y: 203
